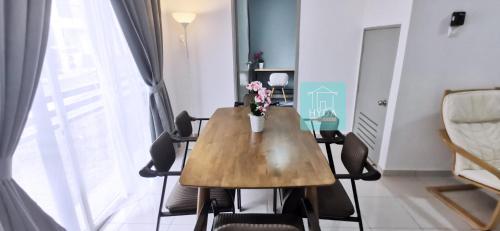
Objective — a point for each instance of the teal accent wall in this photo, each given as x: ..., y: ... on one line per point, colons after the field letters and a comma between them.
x: 273, y: 30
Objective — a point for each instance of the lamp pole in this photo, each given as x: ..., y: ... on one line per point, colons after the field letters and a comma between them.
x: 185, y: 25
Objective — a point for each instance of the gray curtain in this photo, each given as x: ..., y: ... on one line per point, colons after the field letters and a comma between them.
x: 24, y: 26
x: 141, y: 23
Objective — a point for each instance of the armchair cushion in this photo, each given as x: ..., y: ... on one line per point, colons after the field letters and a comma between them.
x: 472, y: 106
x: 472, y: 121
x: 480, y: 139
x: 481, y: 176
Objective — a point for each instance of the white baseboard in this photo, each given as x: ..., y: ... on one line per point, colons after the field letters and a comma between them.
x: 416, y: 173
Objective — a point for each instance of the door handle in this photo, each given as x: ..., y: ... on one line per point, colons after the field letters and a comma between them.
x: 382, y: 102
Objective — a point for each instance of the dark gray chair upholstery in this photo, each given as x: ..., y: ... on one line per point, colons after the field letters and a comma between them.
x: 183, y: 124
x: 184, y: 131
x: 260, y: 222
x: 182, y: 200
x: 247, y: 99
x: 353, y: 155
x: 289, y: 220
x: 329, y: 132
x: 335, y: 203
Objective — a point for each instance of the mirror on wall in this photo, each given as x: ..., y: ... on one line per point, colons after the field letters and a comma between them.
x: 266, y: 33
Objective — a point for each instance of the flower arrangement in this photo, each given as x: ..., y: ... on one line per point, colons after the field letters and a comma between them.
x: 262, y: 99
x: 258, y: 57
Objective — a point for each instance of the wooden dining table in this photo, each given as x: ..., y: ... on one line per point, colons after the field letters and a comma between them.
x: 229, y: 155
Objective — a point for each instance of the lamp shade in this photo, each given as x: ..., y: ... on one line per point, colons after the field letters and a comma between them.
x: 181, y: 17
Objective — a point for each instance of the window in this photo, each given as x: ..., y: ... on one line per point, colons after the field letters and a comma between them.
x: 88, y: 130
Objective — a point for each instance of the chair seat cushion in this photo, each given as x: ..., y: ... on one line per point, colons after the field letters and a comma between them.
x: 260, y: 222
x: 334, y: 202
x: 472, y: 121
x: 184, y: 199
x: 481, y: 176
x: 278, y: 79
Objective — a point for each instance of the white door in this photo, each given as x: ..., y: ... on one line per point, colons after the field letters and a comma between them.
x: 380, y: 46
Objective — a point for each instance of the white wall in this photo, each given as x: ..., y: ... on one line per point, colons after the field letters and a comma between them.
x: 434, y: 63
x: 208, y: 82
x: 387, y: 12
x: 380, y: 13
x: 330, y: 44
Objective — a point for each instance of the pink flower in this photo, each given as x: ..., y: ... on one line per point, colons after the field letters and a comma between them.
x: 258, y: 99
x: 254, y: 86
x: 268, y: 100
x: 263, y: 93
x: 262, y: 98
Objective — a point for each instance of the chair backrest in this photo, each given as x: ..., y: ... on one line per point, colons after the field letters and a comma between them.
x: 247, y: 99
x: 278, y: 79
x: 183, y: 123
x: 329, y: 124
x: 472, y: 121
x: 252, y: 222
x: 163, y: 152
x: 354, y: 154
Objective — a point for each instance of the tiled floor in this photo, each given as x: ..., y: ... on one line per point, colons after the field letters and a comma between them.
x: 392, y: 203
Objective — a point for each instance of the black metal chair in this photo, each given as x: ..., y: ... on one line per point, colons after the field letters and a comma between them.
x: 289, y: 220
x: 182, y: 200
x: 334, y: 202
x: 329, y: 134
x: 184, y: 132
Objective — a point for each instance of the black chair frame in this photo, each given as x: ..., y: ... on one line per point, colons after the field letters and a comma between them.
x: 177, y: 138
x: 371, y: 174
x: 338, y: 138
x: 306, y: 206
x: 148, y: 172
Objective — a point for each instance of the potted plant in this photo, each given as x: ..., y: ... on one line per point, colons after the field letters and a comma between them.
x: 258, y: 58
x: 259, y: 105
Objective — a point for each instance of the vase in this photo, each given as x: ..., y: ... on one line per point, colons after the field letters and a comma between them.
x: 256, y: 122
x: 261, y: 65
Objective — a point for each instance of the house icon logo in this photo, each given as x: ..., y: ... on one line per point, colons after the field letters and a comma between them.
x: 318, y: 99
x: 322, y: 100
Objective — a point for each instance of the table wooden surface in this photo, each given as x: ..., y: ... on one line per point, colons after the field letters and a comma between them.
x: 228, y: 154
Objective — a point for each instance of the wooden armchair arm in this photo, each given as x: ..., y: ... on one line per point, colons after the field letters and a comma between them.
x: 469, y: 156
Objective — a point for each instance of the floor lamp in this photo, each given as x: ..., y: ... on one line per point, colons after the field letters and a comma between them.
x: 184, y: 19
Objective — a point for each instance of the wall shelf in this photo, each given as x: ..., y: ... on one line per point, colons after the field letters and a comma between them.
x: 274, y: 70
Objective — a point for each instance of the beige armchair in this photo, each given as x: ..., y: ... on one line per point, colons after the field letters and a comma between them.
x: 472, y: 131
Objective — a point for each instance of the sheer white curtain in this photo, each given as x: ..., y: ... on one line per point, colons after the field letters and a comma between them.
x: 88, y: 130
